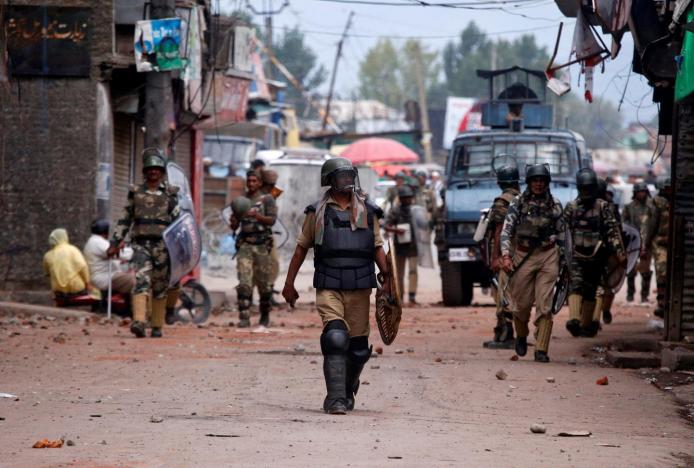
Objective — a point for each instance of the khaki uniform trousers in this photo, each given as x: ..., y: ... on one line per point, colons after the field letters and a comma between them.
x: 533, y: 283
x: 411, y: 262
x: 348, y: 305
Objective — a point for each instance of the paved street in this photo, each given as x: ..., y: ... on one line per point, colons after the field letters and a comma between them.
x: 219, y: 396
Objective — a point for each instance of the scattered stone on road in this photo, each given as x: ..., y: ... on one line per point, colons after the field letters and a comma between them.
x: 501, y: 374
x: 537, y: 428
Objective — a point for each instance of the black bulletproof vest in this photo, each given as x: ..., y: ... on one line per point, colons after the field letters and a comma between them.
x: 346, y: 258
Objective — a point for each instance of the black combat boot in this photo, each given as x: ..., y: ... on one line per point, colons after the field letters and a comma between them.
x: 334, y: 344
x: 631, y: 287
x: 170, y: 316
x: 645, y: 286
x: 574, y: 327
x: 137, y: 328
x: 541, y: 356
x: 607, y: 316
x: 156, y: 333
x: 503, y: 337
x: 591, y: 330
x: 265, y: 307
x: 358, y: 354
x: 521, y: 345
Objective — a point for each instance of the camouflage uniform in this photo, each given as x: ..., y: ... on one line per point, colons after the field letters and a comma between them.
x: 253, y: 259
x: 659, y: 233
x: 595, y: 234
x: 638, y: 214
x: 147, y: 214
x: 497, y: 215
x: 405, y: 253
x: 605, y: 295
x: 536, y: 224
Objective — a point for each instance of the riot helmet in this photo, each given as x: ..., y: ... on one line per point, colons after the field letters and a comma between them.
x: 269, y: 177
x: 587, y: 184
x: 405, y: 191
x: 153, y: 157
x: 100, y: 227
x: 537, y: 170
x: 640, y: 187
x: 339, y: 174
x: 240, y: 206
x: 507, y: 175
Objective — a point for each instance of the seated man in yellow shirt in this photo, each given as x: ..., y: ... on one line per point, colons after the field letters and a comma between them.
x: 65, y: 265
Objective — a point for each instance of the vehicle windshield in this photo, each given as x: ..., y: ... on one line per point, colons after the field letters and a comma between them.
x: 474, y: 159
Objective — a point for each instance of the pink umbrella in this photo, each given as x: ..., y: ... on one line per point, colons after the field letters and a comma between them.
x: 371, y: 150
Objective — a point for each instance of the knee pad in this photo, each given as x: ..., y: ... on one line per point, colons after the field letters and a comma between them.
x: 359, y: 350
x: 334, y: 339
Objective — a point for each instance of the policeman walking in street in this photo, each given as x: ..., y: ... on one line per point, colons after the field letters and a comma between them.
x: 595, y: 235
x: 151, y: 208
x: 254, y: 214
x: 343, y: 230
x: 659, y: 231
x: 605, y: 295
x: 637, y: 213
x: 507, y: 178
x: 536, y: 223
x: 399, y: 216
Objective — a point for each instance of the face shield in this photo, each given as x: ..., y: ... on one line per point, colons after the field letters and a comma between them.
x: 345, y: 180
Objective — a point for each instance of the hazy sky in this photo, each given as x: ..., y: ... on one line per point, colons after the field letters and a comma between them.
x: 436, y: 26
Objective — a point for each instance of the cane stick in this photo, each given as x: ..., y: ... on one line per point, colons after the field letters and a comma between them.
x: 110, y: 289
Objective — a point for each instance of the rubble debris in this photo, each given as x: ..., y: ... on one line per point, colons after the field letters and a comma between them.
x: 501, y: 374
x: 537, y: 428
x: 602, y: 381
x: 575, y: 434
x: 45, y: 443
x: 550, y: 379
x: 156, y: 419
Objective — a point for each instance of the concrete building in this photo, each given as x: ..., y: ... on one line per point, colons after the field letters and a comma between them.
x: 71, y: 120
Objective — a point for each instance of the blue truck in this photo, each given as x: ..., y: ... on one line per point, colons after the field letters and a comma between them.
x: 520, y: 128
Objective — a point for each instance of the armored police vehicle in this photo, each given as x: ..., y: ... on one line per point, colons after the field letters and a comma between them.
x: 519, y: 128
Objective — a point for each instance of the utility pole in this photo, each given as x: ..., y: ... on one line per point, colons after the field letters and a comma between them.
x: 423, y: 109
x: 268, y: 43
x: 334, y: 74
x: 158, y: 95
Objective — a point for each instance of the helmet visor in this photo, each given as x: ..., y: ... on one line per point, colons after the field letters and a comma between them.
x: 344, y: 180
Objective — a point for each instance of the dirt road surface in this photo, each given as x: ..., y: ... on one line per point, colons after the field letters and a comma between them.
x: 220, y: 396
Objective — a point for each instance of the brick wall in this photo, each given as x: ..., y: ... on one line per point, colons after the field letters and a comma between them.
x: 48, y: 159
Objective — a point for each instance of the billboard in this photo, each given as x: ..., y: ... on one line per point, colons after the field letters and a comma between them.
x: 461, y: 114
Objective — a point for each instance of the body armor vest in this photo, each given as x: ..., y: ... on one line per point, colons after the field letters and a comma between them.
x: 635, y: 213
x: 587, y: 226
x: 536, y: 222
x: 346, y: 258
x: 152, y: 212
x: 252, y: 231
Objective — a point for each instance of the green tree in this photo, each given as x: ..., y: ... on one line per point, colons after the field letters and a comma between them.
x: 599, y: 122
x: 474, y: 50
x: 389, y: 74
x: 292, y: 51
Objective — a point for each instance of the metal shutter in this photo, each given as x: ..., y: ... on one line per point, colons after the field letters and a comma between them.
x: 122, y: 160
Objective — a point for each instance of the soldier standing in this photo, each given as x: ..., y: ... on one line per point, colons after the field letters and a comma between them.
x: 254, y: 244
x: 151, y: 207
x: 595, y: 236
x: 343, y: 230
x: 660, y: 233
x: 424, y: 196
x: 405, y: 250
x: 536, y: 223
x: 392, y: 192
x: 507, y: 178
x: 637, y: 213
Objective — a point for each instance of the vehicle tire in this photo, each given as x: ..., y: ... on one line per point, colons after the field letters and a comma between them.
x: 466, y: 291
x: 451, y: 281
x: 194, y: 303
